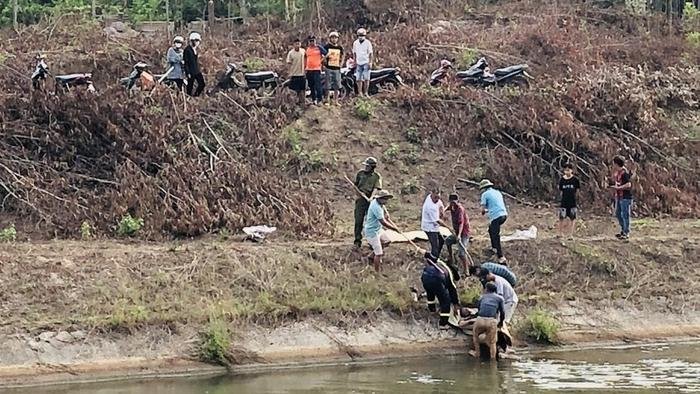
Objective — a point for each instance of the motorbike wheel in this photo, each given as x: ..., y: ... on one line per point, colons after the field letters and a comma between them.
x: 521, y: 82
x: 267, y: 89
x: 389, y: 86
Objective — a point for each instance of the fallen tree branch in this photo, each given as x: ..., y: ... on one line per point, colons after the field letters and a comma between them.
x: 517, y: 199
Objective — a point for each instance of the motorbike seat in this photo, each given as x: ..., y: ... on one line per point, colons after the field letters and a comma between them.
x: 471, y: 73
x: 260, y: 76
x: 508, y: 70
x: 381, y: 72
x: 68, y: 78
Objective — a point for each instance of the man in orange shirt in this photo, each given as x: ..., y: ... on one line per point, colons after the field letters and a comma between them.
x: 314, y: 61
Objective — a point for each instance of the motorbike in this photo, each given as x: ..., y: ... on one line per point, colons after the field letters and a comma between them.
x: 383, y: 78
x: 479, y: 75
x: 63, y: 83
x: 140, y: 77
x: 262, y: 81
x: 439, y: 76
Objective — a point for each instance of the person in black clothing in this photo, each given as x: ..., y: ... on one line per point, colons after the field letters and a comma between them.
x: 192, y: 70
x: 439, y: 284
x: 568, y: 185
x: 623, y: 196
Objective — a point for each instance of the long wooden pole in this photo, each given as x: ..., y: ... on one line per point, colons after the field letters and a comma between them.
x: 15, y: 9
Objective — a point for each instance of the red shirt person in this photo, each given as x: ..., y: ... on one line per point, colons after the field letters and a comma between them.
x: 461, y: 228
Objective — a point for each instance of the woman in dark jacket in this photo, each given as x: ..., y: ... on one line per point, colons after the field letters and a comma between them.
x: 194, y: 74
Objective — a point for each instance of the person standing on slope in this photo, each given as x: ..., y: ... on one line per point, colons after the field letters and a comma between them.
x: 492, y: 203
x: 367, y: 181
x: 192, y: 69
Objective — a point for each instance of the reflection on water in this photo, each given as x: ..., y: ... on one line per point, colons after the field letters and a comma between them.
x: 653, y: 369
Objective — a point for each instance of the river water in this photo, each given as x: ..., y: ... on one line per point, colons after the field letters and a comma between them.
x: 647, y: 369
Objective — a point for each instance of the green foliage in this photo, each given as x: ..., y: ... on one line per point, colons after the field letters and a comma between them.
x: 364, y: 108
x: 409, y: 187
x: 129, y: 226
x: 215, y: 342
x: 392, y: 153
x: 468, y: 57
x: 308, y: 160
x: 8, y: 234
x: 541, y: 326
x: 470, y: 294
x: 693, y: 38
x: 691, y: 18
x: 128, y: 314
x: 86, y: 230
x: 412, y: 136
x: 413, y: 156
x: 254, y: 64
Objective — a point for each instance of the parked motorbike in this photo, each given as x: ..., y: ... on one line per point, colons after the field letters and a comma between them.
x: 63, y: 83
x: 441, y: 74
x: 262, y: 81
x: 480, y: 75
x: 140, y: 77
x: 383, y: 78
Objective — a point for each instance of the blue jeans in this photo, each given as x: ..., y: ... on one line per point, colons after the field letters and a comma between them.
x: 313, y: 77
x: 623, y: 209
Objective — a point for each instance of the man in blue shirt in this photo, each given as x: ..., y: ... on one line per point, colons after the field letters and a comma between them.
x: 493, y: 204
x: 374, y: 233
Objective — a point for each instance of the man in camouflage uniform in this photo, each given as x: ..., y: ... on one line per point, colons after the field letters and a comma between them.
x: 366, y: 180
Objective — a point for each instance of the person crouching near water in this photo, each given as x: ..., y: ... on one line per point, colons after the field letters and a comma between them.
x: 438, y: 282
x: 374, y: 233
x: 489, y: 319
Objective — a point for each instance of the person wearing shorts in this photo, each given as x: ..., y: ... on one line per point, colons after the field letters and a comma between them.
x: 568, y: 185
x: 296, y: 59
x: 363, y: 53
x: 460, y: 228
x: 334, y: 59
x: 375, y: 220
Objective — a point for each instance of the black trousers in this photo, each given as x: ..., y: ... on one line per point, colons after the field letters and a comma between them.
x: 361, y: 207
x: 313, y: 77
x: 435, y: 288
x: 495, y: 234
x: 199, y: 80
x: 436, y: 243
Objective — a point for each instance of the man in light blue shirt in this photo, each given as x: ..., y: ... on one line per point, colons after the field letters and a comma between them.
x: 374, y: 233
x: 493, y: 204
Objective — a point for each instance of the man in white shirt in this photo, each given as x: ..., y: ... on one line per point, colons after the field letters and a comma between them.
x: 431, y: 221
x: 363, y: 53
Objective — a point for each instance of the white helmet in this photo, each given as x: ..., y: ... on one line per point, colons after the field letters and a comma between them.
x: 334, y: 34
x: 195, y: 37
x: 361, y: 31
x: 179, y: 39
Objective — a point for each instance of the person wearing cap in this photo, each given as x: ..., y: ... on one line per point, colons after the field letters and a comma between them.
x: 438, y: 280
x: 176, y: 63
x: 334, y: 60
x: 376, y: 219
x: 192, y: 69
x: 431, y: 221
x: 366, y: 181
x: 489, y: 319
x: 363, y: 53
x: 460, y: 226
x: 314, y: 63
x: 492, y: 203
x: 297, y: 74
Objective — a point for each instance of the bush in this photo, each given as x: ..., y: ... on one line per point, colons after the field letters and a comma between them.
x: 470, y: 295
x: 85, y: 230
x: 693, y: 38
x: 541, y: 326
x: 392, y: 153
x: 412, y: 136
x: 364, y: 108
x: 128, y: 226
x: 409, y: 187
x: 8, y: 234
x: 254, y: 64
x: 215, y: 343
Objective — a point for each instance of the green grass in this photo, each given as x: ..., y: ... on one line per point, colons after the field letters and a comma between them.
x: 594, y: 258
x: 364, y: 108
x: 470, y: 294
x: 391, y: 154
x: 8, y: 234
x: 129, y: 226
x: 215, y: 342
x: 541, y: 326
x: 86, y: 230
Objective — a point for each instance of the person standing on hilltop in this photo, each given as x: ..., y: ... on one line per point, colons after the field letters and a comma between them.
x: 492, y: 203
x: 366, y: 180
x: 363, y: 54
x: 623, y: 196
x: 176, y: 62
x: 296, y: 59
x: 568, y: 185
x: 314, y: 63
x: 376, y: 219
x: 334, y: 60
x: 192, y: 69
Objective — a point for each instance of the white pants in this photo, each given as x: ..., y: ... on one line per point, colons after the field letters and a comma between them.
x: 377, y: 241
x: 510, y: 310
